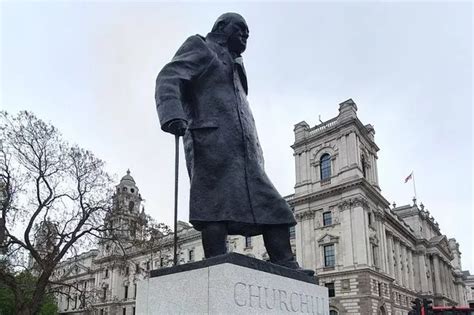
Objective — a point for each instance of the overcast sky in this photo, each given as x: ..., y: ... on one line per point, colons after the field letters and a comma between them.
x: 90, y: 67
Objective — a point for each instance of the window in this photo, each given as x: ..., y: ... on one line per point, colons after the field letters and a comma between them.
x: 333, y: 312
x: 124, y: 189
x: 137, y: 268
x: 364, y: 166
x: 104, y: 293
x: 292, y: 232
x: 101, y: 311
x: 162, y: 261
x: 131, y: 205
x: 325, y: 164
x: 125, y: 293
x: 191, y: 255
x: 369, y: 218
x: 124, y: 311
x: 327, y: 218
x: 148, y: 265
x: 248, y: 241
x: 106, y: 273
x: 379, y: 288
x: 75, y: 301
x: 133, y: 310
x: 134, y: 290
x: 329, y: 257
x: 127, y: 271
x: 331, y: 290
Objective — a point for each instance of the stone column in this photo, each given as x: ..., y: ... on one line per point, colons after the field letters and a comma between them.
x: 306, y: 174
x: 351, y: 152
x: 444, y: 280
x: 372, y: 169
x: 299, y: 238
x: 437, y: 272
x: 297, y: 168
x: 397, y: 262
x: 359, y: 232
x: 342, y: 152
x: 390, y: 255
x: 411, y: 283
x: 423, y: 280
x: 405, y: 266
x: 384, y: 252
x: 449, y: 279
x: 313, y: 243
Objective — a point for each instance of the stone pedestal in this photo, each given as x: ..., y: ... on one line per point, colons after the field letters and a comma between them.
x: 230, y: 284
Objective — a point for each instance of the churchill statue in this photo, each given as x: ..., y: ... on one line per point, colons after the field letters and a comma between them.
x: 202, y: 95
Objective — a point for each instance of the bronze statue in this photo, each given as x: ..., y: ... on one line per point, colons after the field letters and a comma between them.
x: 202, y: 95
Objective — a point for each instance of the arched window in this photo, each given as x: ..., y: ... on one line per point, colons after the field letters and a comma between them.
x: 325, y: 164
x: 333, y: 312
x: 124, y: 189
x: 131, y: 204
x: 364, y: 166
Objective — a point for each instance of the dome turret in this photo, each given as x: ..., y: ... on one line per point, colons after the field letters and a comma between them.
x: 127, y: 184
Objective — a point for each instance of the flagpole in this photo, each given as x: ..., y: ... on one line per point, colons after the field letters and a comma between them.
x: 414, y: 185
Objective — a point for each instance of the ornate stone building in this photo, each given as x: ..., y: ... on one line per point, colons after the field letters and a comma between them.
x: 374, y: 258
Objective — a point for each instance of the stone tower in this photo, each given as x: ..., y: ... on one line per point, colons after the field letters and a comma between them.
x: 127, y: 220
x: 338, y: 204
x: 374, y: 259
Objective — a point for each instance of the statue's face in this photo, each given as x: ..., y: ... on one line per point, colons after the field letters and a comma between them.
x: 238, y: 34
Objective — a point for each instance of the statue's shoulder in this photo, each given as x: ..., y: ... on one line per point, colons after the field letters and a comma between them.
x: 194, y: 44
x: 196, y: 40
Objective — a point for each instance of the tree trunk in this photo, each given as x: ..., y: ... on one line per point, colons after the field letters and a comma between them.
x: 39, y: 293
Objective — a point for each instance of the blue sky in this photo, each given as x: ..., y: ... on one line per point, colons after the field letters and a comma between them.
x: 89, y: 68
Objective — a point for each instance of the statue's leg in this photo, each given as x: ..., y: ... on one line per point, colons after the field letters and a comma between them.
x: 277, y: 243
x: 214, y: 235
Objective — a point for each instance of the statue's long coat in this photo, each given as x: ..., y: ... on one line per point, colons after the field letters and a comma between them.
x: 206, y: 87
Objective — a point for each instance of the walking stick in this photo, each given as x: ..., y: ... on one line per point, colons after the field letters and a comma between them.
x: 176, y: 171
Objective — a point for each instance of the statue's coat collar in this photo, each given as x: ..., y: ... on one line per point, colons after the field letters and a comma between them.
x: 220, y: 41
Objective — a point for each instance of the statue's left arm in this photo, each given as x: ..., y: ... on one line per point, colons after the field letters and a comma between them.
x: 191, y: 60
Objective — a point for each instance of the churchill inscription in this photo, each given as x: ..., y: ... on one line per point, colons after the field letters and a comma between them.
x: 248, y: 295
x: 230, y: 284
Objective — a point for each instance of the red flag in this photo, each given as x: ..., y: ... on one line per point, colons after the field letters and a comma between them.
x: 409, y: 177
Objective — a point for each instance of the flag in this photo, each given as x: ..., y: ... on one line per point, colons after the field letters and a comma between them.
x: 409, y: 177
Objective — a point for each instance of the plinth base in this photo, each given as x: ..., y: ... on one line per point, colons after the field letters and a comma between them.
x: 230, y: 284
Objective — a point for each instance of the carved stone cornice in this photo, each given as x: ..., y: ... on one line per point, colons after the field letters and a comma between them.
x: 369, y: 190
x: 305, y: 215
x: 353, y: 202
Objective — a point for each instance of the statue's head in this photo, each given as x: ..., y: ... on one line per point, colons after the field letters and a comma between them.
x: 235, y: 29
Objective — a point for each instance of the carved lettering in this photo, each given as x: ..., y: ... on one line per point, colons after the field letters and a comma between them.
x: 267, y: 299
x: 283, y: 300
x: 235, y: 293
x: 304, y: 303
x: 256, y: 296
x: 291, y: 302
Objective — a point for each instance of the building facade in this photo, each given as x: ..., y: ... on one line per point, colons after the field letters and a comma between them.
x: 373, y: 257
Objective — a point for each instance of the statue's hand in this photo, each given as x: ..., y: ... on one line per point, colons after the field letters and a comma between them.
x: 177, y: 127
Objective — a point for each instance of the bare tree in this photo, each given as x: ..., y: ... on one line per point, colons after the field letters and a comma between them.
x: 53, y: 199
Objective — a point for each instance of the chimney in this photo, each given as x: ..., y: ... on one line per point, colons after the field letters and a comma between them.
x: 347, y: 110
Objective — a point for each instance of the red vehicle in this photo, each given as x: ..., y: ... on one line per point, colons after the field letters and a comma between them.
x: 451, y: 310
